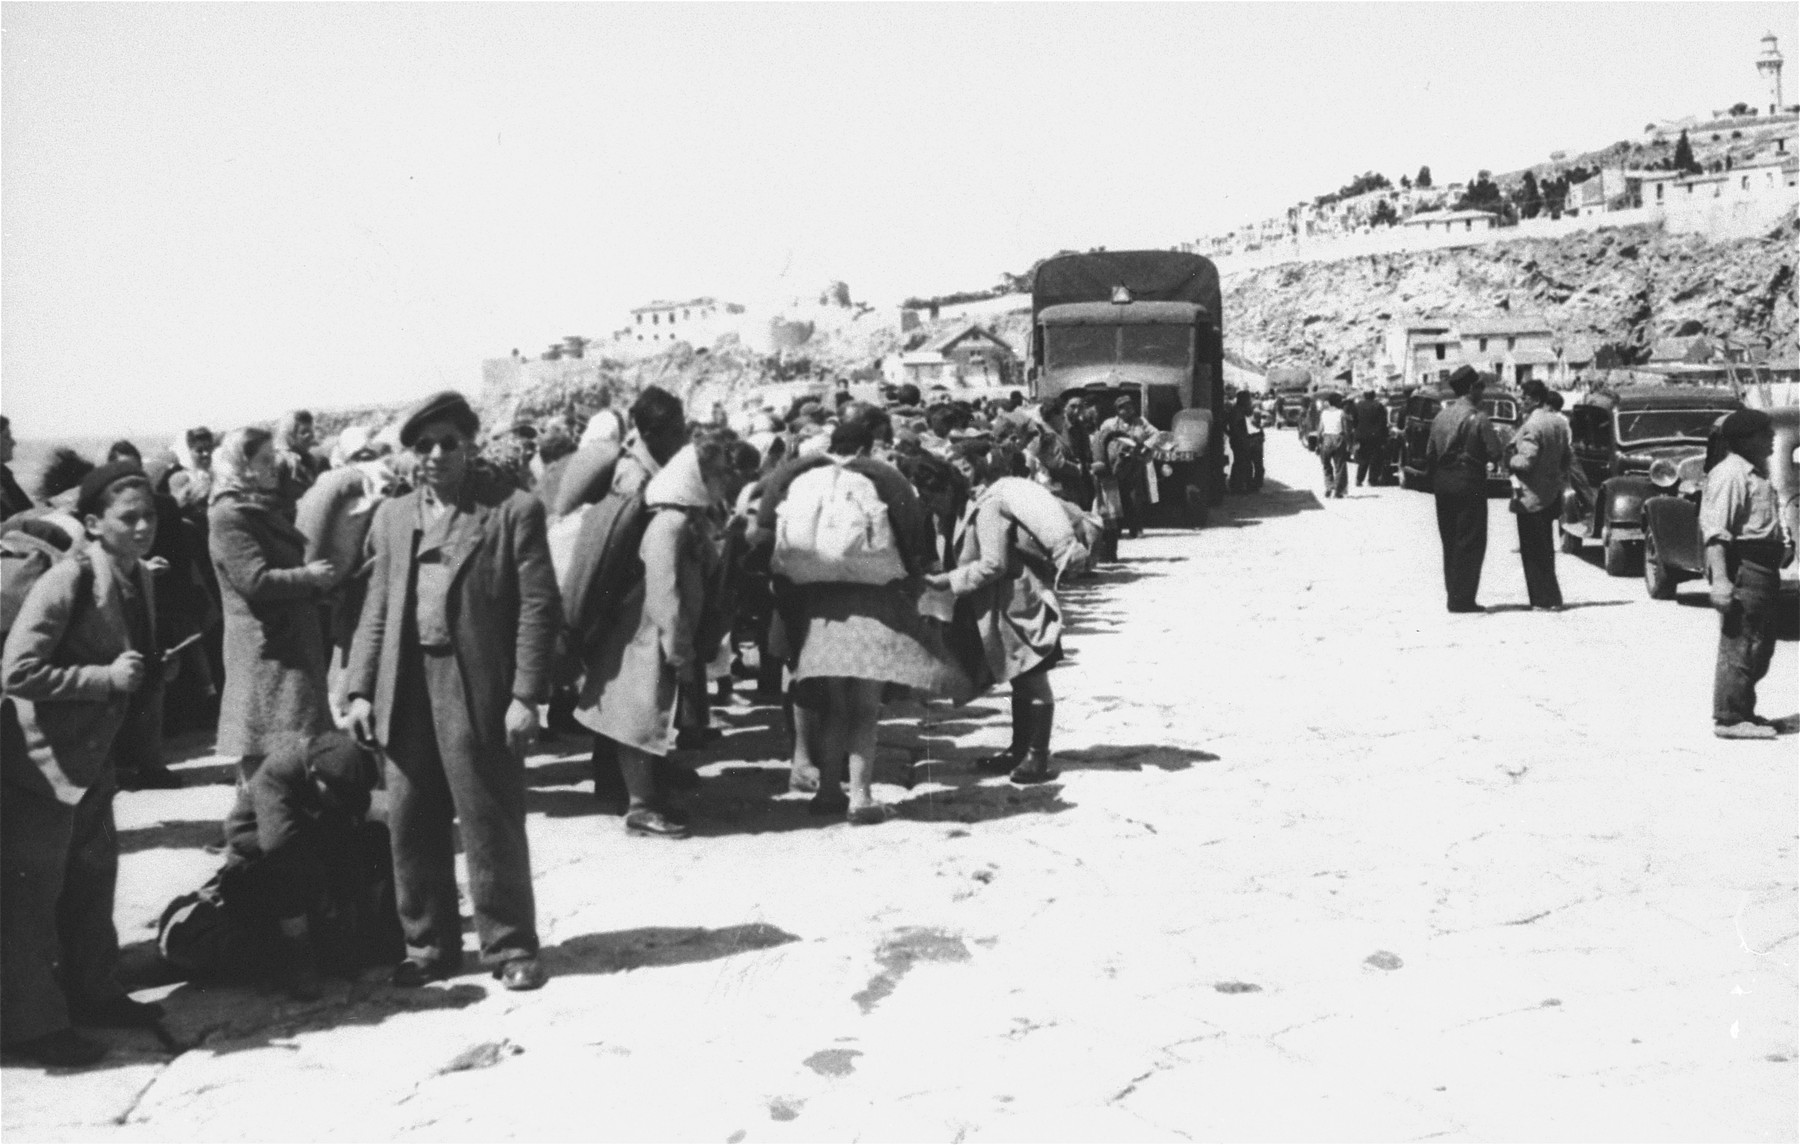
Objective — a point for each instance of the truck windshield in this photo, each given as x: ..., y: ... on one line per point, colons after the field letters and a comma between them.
x: 1649, y: 425
x: 1156, y: 345
x: 1069, y: 346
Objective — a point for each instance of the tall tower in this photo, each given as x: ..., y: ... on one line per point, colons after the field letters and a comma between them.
x: 1769, y: 65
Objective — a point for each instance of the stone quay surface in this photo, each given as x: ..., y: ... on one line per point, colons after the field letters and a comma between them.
x: 1324, y: 863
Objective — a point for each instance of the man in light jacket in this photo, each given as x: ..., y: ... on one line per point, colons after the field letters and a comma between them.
x: 1540, y: 467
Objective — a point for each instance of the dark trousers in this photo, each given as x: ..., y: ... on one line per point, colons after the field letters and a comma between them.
x: 1134, y: 494
x: 439, y: 772
x: 58, y: 945
x: 1247, y: 465
x: 1537, y: 551
x: 1462, y: 527
x: 1746, y: 641
x: 1368, y: 458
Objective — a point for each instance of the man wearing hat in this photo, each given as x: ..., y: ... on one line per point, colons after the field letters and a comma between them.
x: 1740, y: 523
x: 1462, y: 443
x: 451, y: 658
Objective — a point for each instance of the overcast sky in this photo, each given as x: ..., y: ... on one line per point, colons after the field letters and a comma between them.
x: 214, y: 212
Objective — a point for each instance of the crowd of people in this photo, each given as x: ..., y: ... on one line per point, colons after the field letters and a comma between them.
x: 397, y: 612
x: 401, y: 611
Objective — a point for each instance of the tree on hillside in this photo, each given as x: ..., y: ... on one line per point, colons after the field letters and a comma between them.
x: 1423, y: 181
x: 1406, y: 182
x: 1741, y: 109
x: 1530, y: 199
x: 1555, y: 193
x: 1384, y: 215
x: 1684, y: 155
x: 1482, y: 195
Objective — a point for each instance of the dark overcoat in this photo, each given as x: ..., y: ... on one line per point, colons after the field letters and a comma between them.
x: 504, y: 611
x: 275, y: 685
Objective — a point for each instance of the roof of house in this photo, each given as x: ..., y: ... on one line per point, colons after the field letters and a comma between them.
x: 950, y: 338
x: 661, y: 305
x: 1531, y: 358
x: 1503, y: 324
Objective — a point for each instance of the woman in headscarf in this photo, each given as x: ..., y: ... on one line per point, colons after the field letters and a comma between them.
x: 848, y: 640
x: 275, y: 686
x: 667, y: 623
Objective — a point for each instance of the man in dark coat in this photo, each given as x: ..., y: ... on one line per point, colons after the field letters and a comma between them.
x: 1369, y: 420
x: 1462, y: 443
x: 451, y: 657
x: 12, y: 498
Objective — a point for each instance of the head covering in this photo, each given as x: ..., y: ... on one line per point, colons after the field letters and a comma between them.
x: 351, y: 440
x: 95, y: 484
x: 1739, y: 425
x: 605, y: 426
x: 446, y: 405
x: 344, y: 771
x: 231, y: 464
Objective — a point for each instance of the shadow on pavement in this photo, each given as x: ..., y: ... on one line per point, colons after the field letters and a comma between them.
x: 1570, y: 606
x: 1275, y: 500
x: 652, y: 946
x: 1133, y: 758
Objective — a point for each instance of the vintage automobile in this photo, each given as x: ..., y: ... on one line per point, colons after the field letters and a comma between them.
x: 1422, y: 406
x: 1672, y: 548
x: 1618, y: 435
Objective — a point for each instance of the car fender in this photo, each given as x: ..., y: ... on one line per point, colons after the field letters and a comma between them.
x: 1674, y: 523
x: 1621, y: 502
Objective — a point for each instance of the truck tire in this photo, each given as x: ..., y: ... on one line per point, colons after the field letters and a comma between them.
x: 1622, y: 556
x: 1659, y: 582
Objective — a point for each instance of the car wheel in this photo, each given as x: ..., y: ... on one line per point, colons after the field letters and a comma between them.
x: 1657, y: 579
x: 1622, y: 556
x: 1569, y: 542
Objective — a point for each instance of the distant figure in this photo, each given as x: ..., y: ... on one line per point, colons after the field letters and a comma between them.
x: 1370, y: 419
x: 1462, y: 442
x: 1334, y: 445
x: 1740, y: 523
x: 1244, y: 430
x: 1121, y: 450
x: 1540, y: 464
x: 190, y: 481
x: 295, y: 466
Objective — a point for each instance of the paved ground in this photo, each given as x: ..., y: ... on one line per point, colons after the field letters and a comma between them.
x: 1325, y: 863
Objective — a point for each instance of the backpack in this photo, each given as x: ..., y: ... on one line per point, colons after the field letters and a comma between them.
x: 24, y: 558
x: 833, y: 527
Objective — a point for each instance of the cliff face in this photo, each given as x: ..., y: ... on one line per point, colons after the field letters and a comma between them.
x: 1632, y: 286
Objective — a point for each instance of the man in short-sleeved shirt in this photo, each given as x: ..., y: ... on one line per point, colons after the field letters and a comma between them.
x: 1740, y: 525
x: 1540, y: 461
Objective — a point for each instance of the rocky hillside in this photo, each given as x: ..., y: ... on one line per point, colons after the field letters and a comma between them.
x: 1630, y: 286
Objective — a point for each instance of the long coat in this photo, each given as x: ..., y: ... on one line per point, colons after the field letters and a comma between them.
x: 70, y: 628
x: 275, y: 685
x: 503, y: 607
x: 632, y: 685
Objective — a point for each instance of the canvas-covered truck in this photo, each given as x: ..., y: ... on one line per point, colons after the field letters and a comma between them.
x: 1145, y: 323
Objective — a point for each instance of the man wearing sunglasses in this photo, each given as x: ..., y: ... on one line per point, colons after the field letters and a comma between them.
x: 450, y: 660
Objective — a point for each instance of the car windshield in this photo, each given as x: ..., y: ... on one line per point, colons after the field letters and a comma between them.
x: 1066, y: 346
x: 1655, y: 424
x: 1500, y: 409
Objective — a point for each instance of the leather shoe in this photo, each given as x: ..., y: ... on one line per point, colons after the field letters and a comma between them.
x: 414, y: 973
x: 645, y: 821
x: 120, y: 1013
x: 522, y: 974
x: 65, y: 1048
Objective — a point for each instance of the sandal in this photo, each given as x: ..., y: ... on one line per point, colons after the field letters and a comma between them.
x: 870, y: 814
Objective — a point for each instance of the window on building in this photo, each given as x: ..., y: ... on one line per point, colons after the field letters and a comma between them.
x: 1481, y: 344
x: 1510, y: 342
x: 684, y: 315
x: 1746, y: 183
x: 655, y: 319
x: 1659, y: 191
x: 640, y: 319
x: 1440, y: 353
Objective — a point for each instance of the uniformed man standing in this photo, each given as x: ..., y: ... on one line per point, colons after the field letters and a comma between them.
x: 1740, y: 524
x: 1461, y: 445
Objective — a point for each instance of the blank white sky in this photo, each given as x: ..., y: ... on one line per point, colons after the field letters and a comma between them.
x: 214, y: 212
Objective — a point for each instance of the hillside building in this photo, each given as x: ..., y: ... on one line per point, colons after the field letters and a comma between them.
x: 698, y: 322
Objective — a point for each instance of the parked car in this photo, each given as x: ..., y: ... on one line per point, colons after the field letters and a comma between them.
x: 1672, y: 547
x: 1618, y: 437
x: 1502, y: 408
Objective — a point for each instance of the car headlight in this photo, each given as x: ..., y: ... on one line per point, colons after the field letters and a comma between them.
x: 1663, y: 473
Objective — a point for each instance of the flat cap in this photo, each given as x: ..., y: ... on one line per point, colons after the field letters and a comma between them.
x: 1745, y: 423
x: 446, y: 405
x: 97, y: 482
